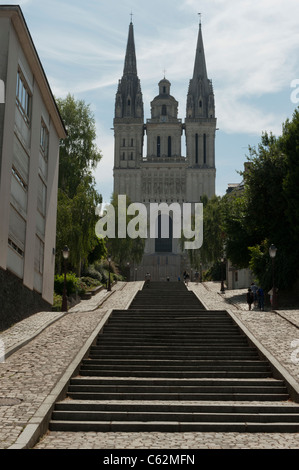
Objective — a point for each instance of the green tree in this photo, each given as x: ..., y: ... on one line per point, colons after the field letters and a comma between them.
x: 77, y: 196
x: 290, y: 147
x: 212, y: 249
x: 259, y: 215
x: 124, y: 250
x: 78, y: 152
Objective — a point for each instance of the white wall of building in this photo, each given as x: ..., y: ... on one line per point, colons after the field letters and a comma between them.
x: 29, y: 170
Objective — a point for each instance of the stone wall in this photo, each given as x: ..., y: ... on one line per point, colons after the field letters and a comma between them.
x: 17, y: 301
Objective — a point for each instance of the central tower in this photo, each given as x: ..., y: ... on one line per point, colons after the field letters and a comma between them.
x: 163, y: 174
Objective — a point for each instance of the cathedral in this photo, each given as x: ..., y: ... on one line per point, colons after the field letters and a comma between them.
x: 160, y: 173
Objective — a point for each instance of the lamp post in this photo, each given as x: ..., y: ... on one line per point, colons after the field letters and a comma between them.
x: 65, y: 254
x: 128, y: 272
x: 109, y: 282
x: 272, y: 253
x: 222, y: 280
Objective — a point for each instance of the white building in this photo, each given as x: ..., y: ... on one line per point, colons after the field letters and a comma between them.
x: 163, y: 174
x: 30, y: 133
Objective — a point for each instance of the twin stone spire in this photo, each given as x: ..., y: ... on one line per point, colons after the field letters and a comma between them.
x: 200, y: 97
x: 161, y: 174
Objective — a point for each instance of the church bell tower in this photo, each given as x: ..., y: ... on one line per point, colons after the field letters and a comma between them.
x: 128, y: 127
x: 200, y: 128
x: 163, y: 174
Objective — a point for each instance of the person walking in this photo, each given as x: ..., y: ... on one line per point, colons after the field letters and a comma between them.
x: 249, y: 296
x: 260, y: 295
x: 147, y: 279
x: 254, y: 289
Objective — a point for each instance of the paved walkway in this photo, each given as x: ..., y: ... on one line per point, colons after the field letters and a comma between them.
x: 41, y: 351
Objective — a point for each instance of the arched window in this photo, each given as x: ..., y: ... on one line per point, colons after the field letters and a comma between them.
x: 164, y: 110
x: 196, y: 149
x: 205, y: 148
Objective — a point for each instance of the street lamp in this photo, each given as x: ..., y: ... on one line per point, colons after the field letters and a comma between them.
x: 65, y: 254
x: 109, y: 282
x: 272, y: 253
x: 128, y: 271
x: 222, y: 280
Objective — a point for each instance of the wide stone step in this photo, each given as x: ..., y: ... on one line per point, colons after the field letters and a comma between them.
x: 178, y: 407
x: 178, y: 382
x: 195, y: 417
x: 180, y: 396
x: 151, y: 338
x: 95, y: 354
x: 86, y: 371
x: 117, y: 368
x: 156, y: 426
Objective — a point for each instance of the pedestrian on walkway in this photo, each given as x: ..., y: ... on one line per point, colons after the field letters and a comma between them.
x: 187, y: 279
x: 147, y: 279
x: 249, y: 296
x: 254, y: 289
x: 260, y: 295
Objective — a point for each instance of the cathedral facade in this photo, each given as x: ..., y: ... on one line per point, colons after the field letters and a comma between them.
x: 160, y: 173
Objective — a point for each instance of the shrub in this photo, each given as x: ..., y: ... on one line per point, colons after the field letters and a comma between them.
x: 71, y: 284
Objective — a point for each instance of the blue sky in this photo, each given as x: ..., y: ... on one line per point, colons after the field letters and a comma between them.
x: 252, y: 55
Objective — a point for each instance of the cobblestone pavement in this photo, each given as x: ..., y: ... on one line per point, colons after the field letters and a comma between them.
x: 32, y: 371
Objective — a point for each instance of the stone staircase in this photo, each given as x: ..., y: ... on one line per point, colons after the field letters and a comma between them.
x: 168, y: 365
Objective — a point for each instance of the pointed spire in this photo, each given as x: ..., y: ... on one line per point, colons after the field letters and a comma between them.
x: 200, y: 99
x: 129, y: 102
x: 200, y: 69
x: 130, y: 59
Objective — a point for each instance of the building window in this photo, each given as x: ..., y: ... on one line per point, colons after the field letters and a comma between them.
x: 16, y: 248
x: 158, y: 146
x: 39, y: 255
x: 124, y: 142
x: 41, y: 197
x: 19, y: 178
x: 164, y: 110
x: 196, y: 149
x: 17, y: 230
x: 132, y: 142
x: 169, y: 146
x: 205, y: 148
x: 44, y: 139
x: 23, y: 97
